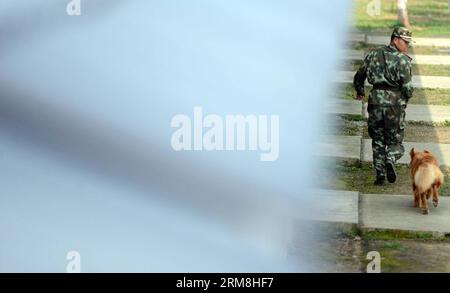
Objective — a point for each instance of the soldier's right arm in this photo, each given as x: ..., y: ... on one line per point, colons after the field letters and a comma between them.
x: 360, y: 77
x: 405, y: 78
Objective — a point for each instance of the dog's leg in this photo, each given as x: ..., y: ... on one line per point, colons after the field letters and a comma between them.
x: 429, y: 192
x: 419, y: 198
x: 435, y: 196
x: 416, y: 197
x: 424, y: 203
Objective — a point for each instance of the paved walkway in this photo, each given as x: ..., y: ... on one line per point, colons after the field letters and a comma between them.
x: 336, y: 206
x: 420, y: 81
x: 342, y: 147
x: 414, y: 112
x: 387, y: 211
x: 417, y: 59
x: 378, y: 211
x: 382, y: 40
x: 341, y: 106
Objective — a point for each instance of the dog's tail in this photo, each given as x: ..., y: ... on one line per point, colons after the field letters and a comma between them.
x: 428, y: 175
x: 439, y: 181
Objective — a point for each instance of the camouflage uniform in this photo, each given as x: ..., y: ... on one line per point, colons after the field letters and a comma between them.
x: 389, y: 71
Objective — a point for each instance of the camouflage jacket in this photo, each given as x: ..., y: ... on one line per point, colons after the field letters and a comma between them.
x: 388, y: 67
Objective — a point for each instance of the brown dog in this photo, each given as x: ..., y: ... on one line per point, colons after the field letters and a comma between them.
x: 427, y: 178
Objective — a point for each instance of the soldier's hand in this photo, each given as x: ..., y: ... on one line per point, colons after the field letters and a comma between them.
x: 359, y: 97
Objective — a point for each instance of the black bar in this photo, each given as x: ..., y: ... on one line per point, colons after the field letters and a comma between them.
x: 219, y: 282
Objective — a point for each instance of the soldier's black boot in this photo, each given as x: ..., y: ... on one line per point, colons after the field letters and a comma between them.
x: 379, y: 181
x: 390, y: 172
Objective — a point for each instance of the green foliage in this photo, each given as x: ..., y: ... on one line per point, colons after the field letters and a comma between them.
x: 427, y: 17
x: 390, y: 235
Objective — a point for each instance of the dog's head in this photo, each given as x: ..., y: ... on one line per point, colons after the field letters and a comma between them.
x: 419, y: 156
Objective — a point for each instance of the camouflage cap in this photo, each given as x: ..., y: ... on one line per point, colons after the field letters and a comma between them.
x: 404, y: 33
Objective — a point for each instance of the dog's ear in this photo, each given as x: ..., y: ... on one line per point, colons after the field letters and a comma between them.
x: 425, y: 151
x: 412, y: 153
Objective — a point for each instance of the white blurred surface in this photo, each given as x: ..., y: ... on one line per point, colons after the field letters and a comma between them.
x: 88, y: 165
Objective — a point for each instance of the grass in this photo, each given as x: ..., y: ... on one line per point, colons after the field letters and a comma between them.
x: 418, y: 253
x: 434, y: 124
x: 431, y: 70
x: 393, y: 235
x: 431, y: 97
x: 428, y: 18
x: 351, y: 233
x: 352, y: 117
x: 392, y: 245
x: 345, y: 249
x: 423, y: 69
x: 345, y: 91
x: 391, y: 257
x: 361, y: 179
x: 395, y: 248
x: 420, y: 96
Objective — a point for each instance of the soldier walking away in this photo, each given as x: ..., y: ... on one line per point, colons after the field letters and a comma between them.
x: 388, y: 69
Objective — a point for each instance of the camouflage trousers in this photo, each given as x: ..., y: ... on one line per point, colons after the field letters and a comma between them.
x: 386, y: 128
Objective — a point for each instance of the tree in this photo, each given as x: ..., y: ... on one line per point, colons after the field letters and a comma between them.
x: 403, y: 12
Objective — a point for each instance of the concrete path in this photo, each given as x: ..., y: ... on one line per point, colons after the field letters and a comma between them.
x: 337, y: 206
x: 441, y: 151
x: 387, y: 211
x: 382, y: 40
x: 343, y: 147
x: 377, y: 211
x: 341, y: 106
x: 420, y: 81
x: 417, y: 59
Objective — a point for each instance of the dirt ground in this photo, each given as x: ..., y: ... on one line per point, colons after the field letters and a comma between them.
x: 412, y: 256
x: 345, y: 251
